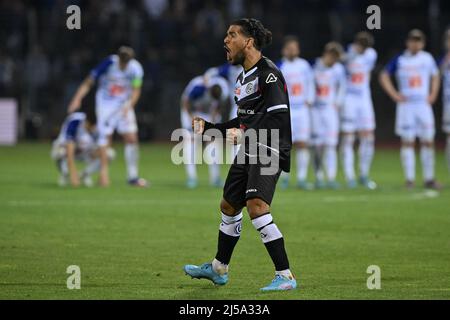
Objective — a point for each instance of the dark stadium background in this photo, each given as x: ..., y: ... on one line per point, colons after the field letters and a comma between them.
x: 42, y: 62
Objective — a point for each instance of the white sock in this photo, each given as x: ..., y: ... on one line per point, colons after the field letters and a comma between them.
x: 302, y: 163
x: 214, y: 172
x: 447, y: 152
x: 408, y: 158
x: 219, y: 267
x: 189, y: 159
x: 285, y: 273
x: 92, y: 166
x: 366, y: 152
x: 131, y: 159
x: 348, y: 156
x: 317, y: 152
x: 284, y: 176
x: 63, y: 167
x: 427, y: 159
x: 331, y: 162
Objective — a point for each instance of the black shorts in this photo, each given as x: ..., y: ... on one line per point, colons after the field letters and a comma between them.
x: 245, y: 181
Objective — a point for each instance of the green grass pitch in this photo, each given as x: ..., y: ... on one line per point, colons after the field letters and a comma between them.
x: 132, y: 243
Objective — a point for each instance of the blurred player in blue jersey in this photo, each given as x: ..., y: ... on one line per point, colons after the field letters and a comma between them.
x: 330, y: 83
x: 203, y: 97
x: 77, y: 142
x: 357, y: 115
x: 119, y: 80
x: 418, y: 83
x: 445, y: 71
x: 300, y: 84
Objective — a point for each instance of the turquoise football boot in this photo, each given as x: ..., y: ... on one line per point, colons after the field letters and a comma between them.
x: 333, y: 185
x: 281, y: 283
x: 284, y: 183
x: 351, y: 184
x: 191, y: 183
x: 304, y: 185
x: 205, y: 271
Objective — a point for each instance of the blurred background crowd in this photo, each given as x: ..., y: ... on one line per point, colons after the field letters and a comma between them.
x: 42, y: 62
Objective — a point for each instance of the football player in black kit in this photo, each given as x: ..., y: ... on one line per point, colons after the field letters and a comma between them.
x: 263, y: 102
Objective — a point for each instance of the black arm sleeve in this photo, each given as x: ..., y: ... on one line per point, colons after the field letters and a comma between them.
x: 222, y: 127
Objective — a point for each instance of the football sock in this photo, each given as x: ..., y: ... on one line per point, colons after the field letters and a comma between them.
x: 317, y: 162
x: 131, y: 159
x: 273, y: 240
x: 366, y: 152
x: 229, y: 233
x: 427, y: 159
x: 284, y: 176
x: 408, y: 162
x: 285, y: 273
x: 348, y: 156
x: 214, y: 173
x: 189, y: 159
x: 92, y: 166
x: 302, y: 163
x: 447, y: 152
x: 331, y: 162
x: 62, y: 166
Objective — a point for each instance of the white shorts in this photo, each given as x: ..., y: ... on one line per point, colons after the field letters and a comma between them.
x: 301, y: 124
x: 446, y: 118
x: 415, y: 120
x: 325, y: 126
x: 357, y: 114
x: 110, y: 119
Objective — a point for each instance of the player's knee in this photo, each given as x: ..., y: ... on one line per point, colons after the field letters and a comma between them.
x: 257, y: 207
x: 228, y: 209
x: 130, y: 138
x: 427, y: 143
x: 407, y: 143
x: 301, y: 145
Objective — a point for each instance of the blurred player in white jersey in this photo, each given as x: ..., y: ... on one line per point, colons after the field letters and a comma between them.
x: 230, y: 73
x: 119, y: 88
x: 445, y: 71
x: 357, y: 115
x: 77, y: 142
x: 300, y: 84
x: 418, y: 87
x: 330, y: 83
x: 203, y: 97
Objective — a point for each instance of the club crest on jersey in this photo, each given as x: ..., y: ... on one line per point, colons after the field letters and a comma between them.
x: 271, y: 78
x: 249, y: 88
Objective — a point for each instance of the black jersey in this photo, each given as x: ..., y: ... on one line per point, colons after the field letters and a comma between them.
x: 263, y: 103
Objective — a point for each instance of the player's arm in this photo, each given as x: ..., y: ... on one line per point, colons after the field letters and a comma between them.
x: 435, y: 85
x: 73, y: 174
x: 386, y: 81
x: 199, y: 125
x: 435, y: 81
x: 342, y: 83
x: 81, y: 92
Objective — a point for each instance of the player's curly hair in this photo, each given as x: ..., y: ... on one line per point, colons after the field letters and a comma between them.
x: 253, y: 28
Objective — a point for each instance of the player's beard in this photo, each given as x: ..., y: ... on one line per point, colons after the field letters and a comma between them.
x: 239, y: 58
